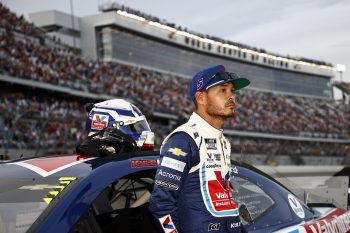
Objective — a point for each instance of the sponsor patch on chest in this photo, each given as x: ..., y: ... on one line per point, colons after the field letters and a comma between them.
x: 210, y: 143
x: 213, y: 157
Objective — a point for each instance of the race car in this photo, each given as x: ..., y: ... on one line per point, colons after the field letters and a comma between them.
x: 75, y: 194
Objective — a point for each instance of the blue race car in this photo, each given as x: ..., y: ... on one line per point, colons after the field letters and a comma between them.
x: 74, y: 193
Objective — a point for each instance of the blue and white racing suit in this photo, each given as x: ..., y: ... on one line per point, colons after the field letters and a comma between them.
x: 191, y: 191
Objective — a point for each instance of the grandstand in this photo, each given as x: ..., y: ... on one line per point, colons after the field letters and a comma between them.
x: 288, y: 116
x: 344, y: 87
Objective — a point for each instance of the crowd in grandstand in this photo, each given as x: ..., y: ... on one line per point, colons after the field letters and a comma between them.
x: 36, y: 122
x: 29, y: 122
x: 286, y: 147
x: 257, y: 111
x: 113, y: 6
x: 293, y: 115
x: 11, y: 22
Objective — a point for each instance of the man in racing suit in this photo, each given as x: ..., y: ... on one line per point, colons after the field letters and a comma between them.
x: 192, y: 192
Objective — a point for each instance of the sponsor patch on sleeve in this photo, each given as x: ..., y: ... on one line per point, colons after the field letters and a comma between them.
x: 167, y: 184
x: 173, y: 164
x: 177, y: 151
x: 167, y: 224
x: 169, y: 175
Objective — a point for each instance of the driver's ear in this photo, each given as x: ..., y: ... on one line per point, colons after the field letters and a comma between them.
x: 200, y: 98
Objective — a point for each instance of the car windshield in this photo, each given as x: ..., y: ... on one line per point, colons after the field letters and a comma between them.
x: 263, y: 203
x: 23, y: 200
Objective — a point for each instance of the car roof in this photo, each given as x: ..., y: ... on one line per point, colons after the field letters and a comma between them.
x: 62, y: 165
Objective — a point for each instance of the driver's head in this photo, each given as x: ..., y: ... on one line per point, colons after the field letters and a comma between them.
x: 122, y: 115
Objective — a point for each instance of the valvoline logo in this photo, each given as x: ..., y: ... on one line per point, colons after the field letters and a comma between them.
x: 99, y: 121
x: 222, y: 195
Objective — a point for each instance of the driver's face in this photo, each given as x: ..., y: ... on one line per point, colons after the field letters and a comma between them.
x: 220, y: 101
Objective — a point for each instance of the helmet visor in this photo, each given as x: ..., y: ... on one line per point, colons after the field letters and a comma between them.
x: 136, y: 127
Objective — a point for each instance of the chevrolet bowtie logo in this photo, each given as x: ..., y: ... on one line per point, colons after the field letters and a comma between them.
x: 177, y: 151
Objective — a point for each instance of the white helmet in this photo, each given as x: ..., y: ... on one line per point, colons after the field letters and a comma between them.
x: 123, y: 115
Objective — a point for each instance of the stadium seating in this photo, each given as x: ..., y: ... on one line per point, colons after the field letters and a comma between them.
x: 38, y: 122
x: 51, y: 122
x: 258, y: 111
x: 344, y: 86
x: 33, y: 122
x: 10, y: 21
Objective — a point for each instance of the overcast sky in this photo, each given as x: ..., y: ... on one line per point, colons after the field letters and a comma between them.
x: 316, y: 29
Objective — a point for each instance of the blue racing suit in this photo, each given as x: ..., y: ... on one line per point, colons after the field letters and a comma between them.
x: 191, y: 191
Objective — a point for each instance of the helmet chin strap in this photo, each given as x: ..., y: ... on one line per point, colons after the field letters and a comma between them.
x: 146, y: 140
x: 107, y: 142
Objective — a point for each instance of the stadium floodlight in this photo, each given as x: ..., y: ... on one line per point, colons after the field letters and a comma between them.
x: 341, y: 68
x: 294, y: 62
x: 162, y: 26
x: 132, y: 16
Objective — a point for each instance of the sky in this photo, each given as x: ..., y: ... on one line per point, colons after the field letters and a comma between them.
x: 315, y: 29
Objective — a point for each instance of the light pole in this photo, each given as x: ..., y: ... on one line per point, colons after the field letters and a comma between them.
x: 72, y: 19
x: 341, y: 69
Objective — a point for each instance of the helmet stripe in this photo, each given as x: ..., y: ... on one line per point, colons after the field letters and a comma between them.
x: 119, y: 111
x: 136, y: 110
